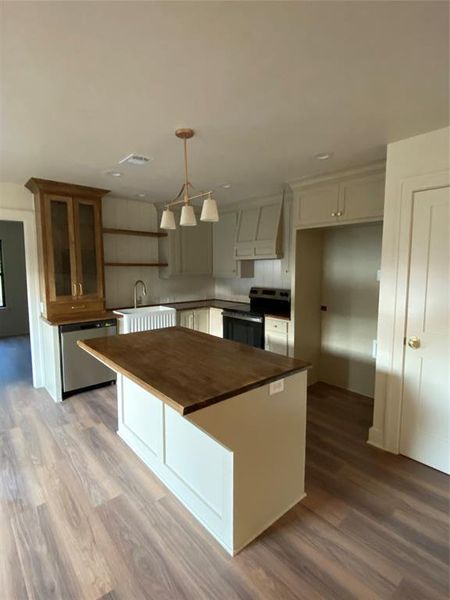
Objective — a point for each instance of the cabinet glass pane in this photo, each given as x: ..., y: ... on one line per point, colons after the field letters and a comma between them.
x: 61, y: 248
x: 88, y: 248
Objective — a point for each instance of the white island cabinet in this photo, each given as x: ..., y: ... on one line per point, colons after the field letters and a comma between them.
x: 231, y: 447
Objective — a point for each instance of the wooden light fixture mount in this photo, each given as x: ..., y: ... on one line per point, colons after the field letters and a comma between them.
x: 185, y: 133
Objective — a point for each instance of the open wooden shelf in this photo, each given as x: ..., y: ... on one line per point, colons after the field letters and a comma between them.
x: 135, y: 264
x: 134, y: 232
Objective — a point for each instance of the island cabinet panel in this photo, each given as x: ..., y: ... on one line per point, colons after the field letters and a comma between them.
x: 199, y: 470
x: 193, y: 465
x: 237, y: 465
x: 266, y: 432
x: 142, y: 414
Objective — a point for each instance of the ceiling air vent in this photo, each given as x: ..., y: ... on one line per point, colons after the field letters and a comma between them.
x: 135, y: 159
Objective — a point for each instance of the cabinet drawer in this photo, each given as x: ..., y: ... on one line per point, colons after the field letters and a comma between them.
x: 74, y: 307
x: 276, y: 325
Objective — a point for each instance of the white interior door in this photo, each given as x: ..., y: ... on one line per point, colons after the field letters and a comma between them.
x: 426, y: 390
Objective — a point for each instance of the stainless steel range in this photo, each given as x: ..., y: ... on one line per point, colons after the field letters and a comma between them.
x: 246, y: 325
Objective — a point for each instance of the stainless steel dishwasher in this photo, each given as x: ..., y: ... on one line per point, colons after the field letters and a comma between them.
x: 80, y: 369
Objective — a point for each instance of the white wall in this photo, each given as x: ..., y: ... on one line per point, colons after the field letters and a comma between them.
x: 421, y: 156
x: 351, y: 259
x: 15, y: 196
x: 119, y: 281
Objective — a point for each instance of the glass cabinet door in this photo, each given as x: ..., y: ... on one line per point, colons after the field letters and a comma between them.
x: 61, y: 259
x: 89, y: 252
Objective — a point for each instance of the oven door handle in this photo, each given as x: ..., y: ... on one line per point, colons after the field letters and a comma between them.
x: 233, y: 315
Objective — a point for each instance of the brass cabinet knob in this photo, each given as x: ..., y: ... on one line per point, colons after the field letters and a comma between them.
x: 414, y: 342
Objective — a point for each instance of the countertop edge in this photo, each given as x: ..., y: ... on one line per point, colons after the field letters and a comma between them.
x: 82, y: 318
x: 183, y: 410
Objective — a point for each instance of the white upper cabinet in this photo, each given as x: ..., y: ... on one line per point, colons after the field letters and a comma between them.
x: 318, y: 205
x: 259, y: 230
x: 187, y: 250
x: 224, y: 262
x: 362, y: 198
x: 349, y: 197
x: 196, y: 249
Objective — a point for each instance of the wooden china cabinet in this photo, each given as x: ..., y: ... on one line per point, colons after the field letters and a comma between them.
x: 70, y: 246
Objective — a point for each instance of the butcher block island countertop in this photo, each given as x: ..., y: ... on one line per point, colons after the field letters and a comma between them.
x: 187, y: 369
x: 221, y: 424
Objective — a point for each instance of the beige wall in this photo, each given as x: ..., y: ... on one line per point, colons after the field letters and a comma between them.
x: 351, y: 259
x: 337, y: 267
x: 423, y: 156
x: 307, y: 294
x: 16, y: 196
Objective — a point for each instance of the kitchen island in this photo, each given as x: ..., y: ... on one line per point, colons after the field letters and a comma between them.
x: 221, y: 424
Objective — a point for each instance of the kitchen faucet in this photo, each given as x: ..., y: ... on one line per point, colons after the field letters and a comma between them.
x: 144, y: 290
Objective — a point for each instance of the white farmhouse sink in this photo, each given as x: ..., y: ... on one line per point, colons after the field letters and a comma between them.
x: 145, y: 318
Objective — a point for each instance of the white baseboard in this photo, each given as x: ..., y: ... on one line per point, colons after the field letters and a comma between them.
x: 376, y: 438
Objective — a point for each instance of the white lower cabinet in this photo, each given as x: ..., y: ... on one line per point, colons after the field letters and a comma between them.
x: 216, y: 322
x: 196, y: 319
x: 276, y: 336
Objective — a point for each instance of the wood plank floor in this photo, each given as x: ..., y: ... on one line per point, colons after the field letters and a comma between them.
x: 82, y: 518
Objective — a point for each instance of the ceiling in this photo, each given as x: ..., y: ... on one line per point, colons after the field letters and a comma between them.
x: 265, y: 85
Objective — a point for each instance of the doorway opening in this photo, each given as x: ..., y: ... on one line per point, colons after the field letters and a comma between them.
x: 336, y: 304
x: 14, y: 321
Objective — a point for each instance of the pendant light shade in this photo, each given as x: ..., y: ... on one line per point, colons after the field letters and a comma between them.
x: 187, y: 218
x: 209, y: 210
x: 167, y: 220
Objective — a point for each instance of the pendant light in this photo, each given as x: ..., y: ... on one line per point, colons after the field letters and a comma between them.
x: 168, y: 219
x: 209, y: 210
x: 188, y: 219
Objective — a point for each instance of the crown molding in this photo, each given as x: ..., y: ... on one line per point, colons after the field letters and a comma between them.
x: 372, y: 168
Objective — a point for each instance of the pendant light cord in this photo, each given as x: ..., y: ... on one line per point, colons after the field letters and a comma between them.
x: 186, y: 181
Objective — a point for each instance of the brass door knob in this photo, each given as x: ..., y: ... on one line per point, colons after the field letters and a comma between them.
x: 414, y: 342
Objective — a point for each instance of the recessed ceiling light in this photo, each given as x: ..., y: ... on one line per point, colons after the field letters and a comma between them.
x: 323, y: 155
x: 137, y: 160
x: 114, y: 173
